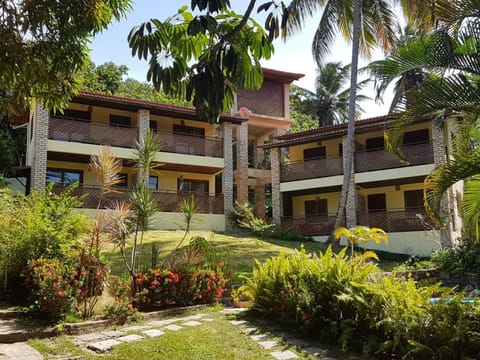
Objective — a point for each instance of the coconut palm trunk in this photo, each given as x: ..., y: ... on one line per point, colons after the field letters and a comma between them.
x: 348, y: 173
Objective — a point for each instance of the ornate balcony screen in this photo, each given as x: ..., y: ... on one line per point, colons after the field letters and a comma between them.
x: 397, y: 220
x: 191, y: 145
x: 310, y: 169
x: 74, y: 130
x: 383, y: 159
x: 167, y: 201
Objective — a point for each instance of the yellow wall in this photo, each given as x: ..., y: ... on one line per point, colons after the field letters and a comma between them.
x: 394, y: 198
x: 298, y: 202
x: 165, y: 124
x: 362, y: 137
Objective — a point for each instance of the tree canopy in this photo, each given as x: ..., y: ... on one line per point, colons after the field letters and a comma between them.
x: 44, y: 47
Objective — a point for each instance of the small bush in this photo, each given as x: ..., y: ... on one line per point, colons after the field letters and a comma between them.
x: 53, y: 286
x: 163, y: 288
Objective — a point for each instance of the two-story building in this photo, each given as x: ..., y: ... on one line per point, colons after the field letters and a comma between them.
x: 307, y: 172
x: 195, y: 157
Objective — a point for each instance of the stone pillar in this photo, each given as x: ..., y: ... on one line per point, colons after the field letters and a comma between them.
x: 260, y: 201
x: 227, y: 176
x: 276, y: 195
x: 143, y: 120
x: 40, y: 145
x: 241, y: 176
x: 351, y: 207
x: 439, y: 158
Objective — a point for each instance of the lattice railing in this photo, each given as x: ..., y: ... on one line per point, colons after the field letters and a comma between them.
x: 75, y: 130
x: 192, y: 145
x: 397, y: 220
x: 310, y: 225
x: 167, y: 201
x: 383, y: 159
x: 311, y: 169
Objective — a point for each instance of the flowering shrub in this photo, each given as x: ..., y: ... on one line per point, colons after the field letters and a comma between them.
x: 162, y: 288
x: 53, y: 286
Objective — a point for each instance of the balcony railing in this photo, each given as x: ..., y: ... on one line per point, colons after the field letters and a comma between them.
x: 310, y: 225
x: 168, y: 201
x: 397, y: 220
x: 74, y: 130
x: 192, y: 145
x: 311, y: 169
x: 418, y: 154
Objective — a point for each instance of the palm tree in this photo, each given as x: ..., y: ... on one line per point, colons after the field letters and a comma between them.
x: 366, y: 23
x: 329, y: 104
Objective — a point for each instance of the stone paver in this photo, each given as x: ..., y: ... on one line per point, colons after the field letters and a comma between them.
x: 249, y: 329
x: 112, y: 333
x: 313, y: 350
x: 136, y: 328
x: 238, y: 322
x: 192, y: 323
x: 173, y: 327
x: 260, y: 337
x: 270, y: 344
x: 284, y: 355
x: 153, y: 332
x: 233, y: 310
x: 191, y: 317
x: 209, y: 320
x: 19, y: 351
x: 130, y: 338
x: 103, y: 346
x: 91, y: 337
x: 297, y: 342
x: 161, y: 322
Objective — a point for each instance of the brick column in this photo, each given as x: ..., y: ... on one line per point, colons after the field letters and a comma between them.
x: 227, y: 176
x: 276, y: 195
x: 351, y: 207
x: 260, y: 201
x: 40, y: 144
x: 241, y: 173
x: 439, y: 158
x: 143, y: 120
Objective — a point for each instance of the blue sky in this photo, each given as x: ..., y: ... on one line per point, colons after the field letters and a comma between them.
x: 294, y: 55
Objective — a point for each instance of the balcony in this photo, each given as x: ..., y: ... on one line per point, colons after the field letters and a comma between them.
x: 397, y: 220
x: 417, y: 154
x: 311, y: 169
x: 310, y: 225
x: 168, y: 201
x: 191, y: 145
x: 74, y: 130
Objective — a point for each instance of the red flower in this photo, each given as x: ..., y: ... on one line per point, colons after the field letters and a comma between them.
x: 59, y: 293
x: 270, y: 310
x: 138, y: 281
x: 304, y: 317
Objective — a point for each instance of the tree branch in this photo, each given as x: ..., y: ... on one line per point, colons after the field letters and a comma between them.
x: 242, y: 22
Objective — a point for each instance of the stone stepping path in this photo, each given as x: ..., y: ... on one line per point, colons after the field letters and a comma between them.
x: 104, y: 341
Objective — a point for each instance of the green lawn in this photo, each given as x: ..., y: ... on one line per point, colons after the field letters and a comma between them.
x: 237, y: 251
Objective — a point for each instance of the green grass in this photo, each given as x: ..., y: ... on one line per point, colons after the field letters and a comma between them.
x: 237, y: 251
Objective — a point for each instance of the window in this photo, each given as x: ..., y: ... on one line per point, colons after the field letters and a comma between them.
x: 121, y: 121
x: 314, y: 153
x: 123, y: 180
x: 413, y: 199
x: 375, y: 144
x: 153, y: 125
x: 65, y: 177
x: 153, y: 182
x: 416, y: 137
x: 377, y: 202
x: 191, y: 186
x: 316, y: 207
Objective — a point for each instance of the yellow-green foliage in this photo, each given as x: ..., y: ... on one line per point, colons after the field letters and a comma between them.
x: 347, y: 300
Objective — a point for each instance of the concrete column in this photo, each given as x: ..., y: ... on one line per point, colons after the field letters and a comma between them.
x: 227, y: 176
x: 241, y: 176
x: 40, y: 145
x: 276, y: 195
x: 439, y: 158
x: 143, y: 120
x: 351, y: 207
